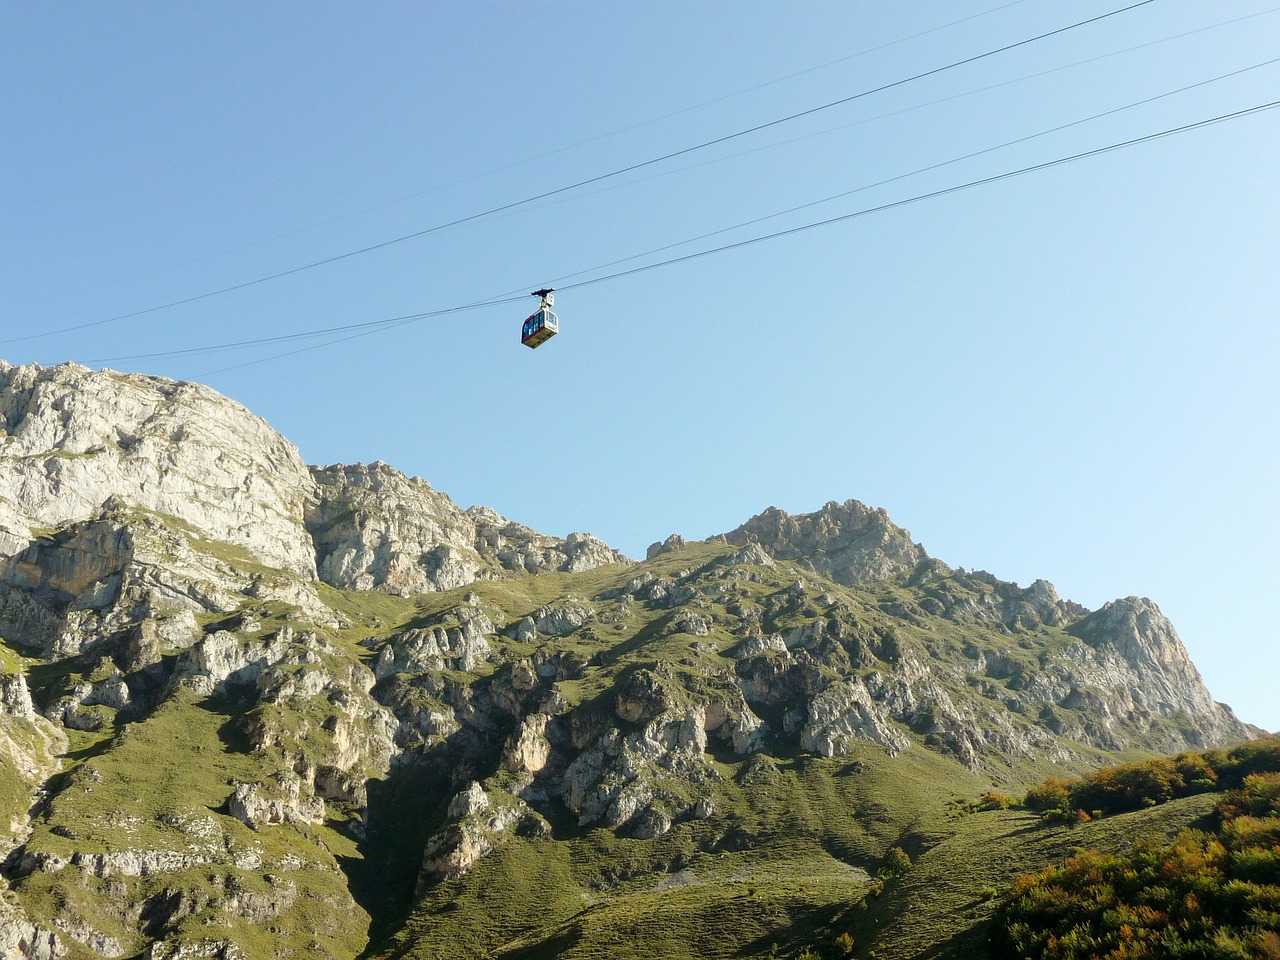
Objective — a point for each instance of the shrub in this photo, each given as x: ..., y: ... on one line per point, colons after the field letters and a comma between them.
x: 991, y: 800
x: 1051, y: 794
x: 895, y: 862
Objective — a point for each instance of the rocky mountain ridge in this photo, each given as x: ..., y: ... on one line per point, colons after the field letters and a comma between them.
x: 229, y: 679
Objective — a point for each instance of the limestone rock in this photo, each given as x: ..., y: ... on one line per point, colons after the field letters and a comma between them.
x: 672, y: 543
x: 72, y: 439
x: 734, y: 721
x: 1160, y: 676
x: 528, y: 750
x: 284, y: 800
x: 94, y: 579
x: 562, y: 619
x: 470, y: 801
x: 375, y: 528
x: 20, y: 938
x: 846, y: 712
x: 211, y: 949
x: 222, y: 658
x: 29, y: 749
x: 520, y: 549
x: 454, y: 850
x: 848, y: 542
x: 460, y: 641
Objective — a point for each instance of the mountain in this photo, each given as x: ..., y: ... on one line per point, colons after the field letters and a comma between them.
x: 251, y: 708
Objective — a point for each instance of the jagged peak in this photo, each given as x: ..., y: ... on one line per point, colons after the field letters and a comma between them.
x: 486, y: 515
x: 404, y: 537
x: 1139, y: 631
x: 849, y: 542
x: 372, y: 475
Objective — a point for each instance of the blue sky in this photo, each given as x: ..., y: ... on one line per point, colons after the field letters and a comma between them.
x: 1066, y: 375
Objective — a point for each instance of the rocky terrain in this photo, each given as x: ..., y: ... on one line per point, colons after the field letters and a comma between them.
x: 250, y: 708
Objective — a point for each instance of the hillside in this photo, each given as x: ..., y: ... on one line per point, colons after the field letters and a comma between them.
x: 250, y: 708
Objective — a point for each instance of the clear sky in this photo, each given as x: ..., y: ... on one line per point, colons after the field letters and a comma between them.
x: 1069, y: 374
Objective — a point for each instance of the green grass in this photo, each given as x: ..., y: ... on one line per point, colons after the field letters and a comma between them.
x: 791, y: 845
x: 162, y: 787
x: 941, y: 906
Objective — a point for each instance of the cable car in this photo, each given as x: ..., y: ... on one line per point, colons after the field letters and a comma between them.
x: 542, y: 325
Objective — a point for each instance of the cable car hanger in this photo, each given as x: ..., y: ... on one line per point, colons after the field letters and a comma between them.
x: 542, y: 324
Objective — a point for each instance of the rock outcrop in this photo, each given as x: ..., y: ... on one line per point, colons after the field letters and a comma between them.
x: 72, y: 439
x: 1144, y: 671
x: 521, y: 550
x: 850, y: 543
x: 376, y: 529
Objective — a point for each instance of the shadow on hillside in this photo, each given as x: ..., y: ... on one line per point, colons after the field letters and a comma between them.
x: 967, y: 944
x: 810, y: 928
x: 650, y: 632
x: 402, y: 813
x: 556, y: 945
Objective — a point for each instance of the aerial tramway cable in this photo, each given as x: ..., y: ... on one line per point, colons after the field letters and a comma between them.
x: 932, y: 103
x: 589, y: 180
x: 917, y: 171
x: 580, y: 143
x: 374, y: 326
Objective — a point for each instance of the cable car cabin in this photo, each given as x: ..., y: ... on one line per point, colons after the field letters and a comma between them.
x: 539, y: 328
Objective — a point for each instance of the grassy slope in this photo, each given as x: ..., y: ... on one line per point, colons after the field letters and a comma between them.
x: 940, y: 907
x: 791, y: 845
x: 540, y: 900
x: 810, y: 833
x: 162, y: 786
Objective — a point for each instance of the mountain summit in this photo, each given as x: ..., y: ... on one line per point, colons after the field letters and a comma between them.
x: 848, y: 542
x: 250, y: 708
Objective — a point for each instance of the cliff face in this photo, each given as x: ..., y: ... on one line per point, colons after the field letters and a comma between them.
x: 848, y: 542
x: 376, y: 529
x: 72, y: 438
x: 246, y: 704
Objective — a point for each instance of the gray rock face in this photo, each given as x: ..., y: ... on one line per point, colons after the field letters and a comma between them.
x: 656, y: 549
x: 988, y: 599
x: 1168, y: 685
x: 19, y: 937
x: 522, y: 550
x: 72, y: 438
x: 66, y: 593
x: 29, y: 748
x: 478, y: 831
x: 844, y: 713
x: 850, y: 543
x: 285, y: 800
x: 460, y: 645
x: 376, y: 529
x: 221, y: 658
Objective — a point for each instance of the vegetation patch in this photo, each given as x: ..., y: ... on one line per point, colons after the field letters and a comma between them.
x: 1211, y: 893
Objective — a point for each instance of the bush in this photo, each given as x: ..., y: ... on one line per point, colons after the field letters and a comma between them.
x: 991, y: 800
x: 895, y: 862
x: 1252, y: 767
x: 1050, y: 795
